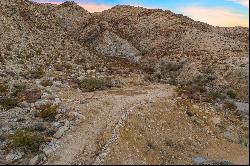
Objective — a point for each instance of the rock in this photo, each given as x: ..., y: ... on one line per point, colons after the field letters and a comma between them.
x: 57, y: 101
x: 62, y: 110
x: 51, y: 147
x: 189, y: 113
x: 50, y: 132
x: 204, y: 161
x: 16, y: 110
x: 57, y: 83
x: 56, y: 124
x: 47, y: 96
x: 29, y: 95
x: 24, y: 104
x: 231, y: 134
x: 199, y: 160
x: 13, y: 156
x: 243, y: 108
x: 62, y: 130
x: 58, y: 116
x: 37, y: 159
x: 74, y: 115
x: 39, y: 127
x: 196, y: 106
x: 67, y: 124
x: 216, y: 121
x: 41, y: 102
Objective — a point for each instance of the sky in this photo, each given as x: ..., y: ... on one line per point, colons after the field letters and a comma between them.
x: 225, y: 13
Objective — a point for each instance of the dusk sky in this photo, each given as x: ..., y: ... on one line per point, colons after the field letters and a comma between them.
x: 214, y: 12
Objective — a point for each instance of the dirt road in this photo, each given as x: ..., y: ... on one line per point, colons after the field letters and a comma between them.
x: 139, y: 125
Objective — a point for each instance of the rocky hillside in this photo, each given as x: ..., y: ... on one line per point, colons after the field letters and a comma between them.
x: 45, y: 48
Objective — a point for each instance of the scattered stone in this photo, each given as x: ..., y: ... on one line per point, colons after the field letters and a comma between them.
x: 73, y: 115
x: 42, y: 102
x: 216, y: 121
x: 56, y: 125
x: 189, y: 113
x: 50, y: 132
x: 62, y: 130
x: 243, y: 108
x: 58, y: 116
x: 57, y: 101
x: 39, y: 127
x: 204, y: 161
x: 14, y: 156
x: 29, y: 95
x: 37, y: 159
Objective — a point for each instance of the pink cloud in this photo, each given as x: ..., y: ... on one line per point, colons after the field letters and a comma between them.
x: 95, y: 7
x: 91, y: 7
x: 242, y: 2
x: 216, y: 16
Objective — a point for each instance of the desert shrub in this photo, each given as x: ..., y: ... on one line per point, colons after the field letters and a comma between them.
x: 17, y: 88
x: 48, y: 112
x: 229, y: 105
x: 29, y: 95
x: 231, y: 93
x: 168, y: 66
x: 46, y: 83
x: 91, y: 84
x: 3, y: 88
x: 37, y: 73
x: 58, y: 67
x: 148, y: 77
x: 193, y: 91
x: 214, y: 95
x: 26, y: 139
x: 8, y: 102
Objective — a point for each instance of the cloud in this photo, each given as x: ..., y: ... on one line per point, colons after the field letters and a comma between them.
x: 216, y: 16
x: 242, y: 2
x: 91, y: 7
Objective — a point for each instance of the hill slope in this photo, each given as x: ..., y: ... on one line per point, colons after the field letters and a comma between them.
x: 47, y: 50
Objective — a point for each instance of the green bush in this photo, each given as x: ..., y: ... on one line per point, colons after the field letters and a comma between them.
x: 214, y: 95
x: 46, y: 83
x: 93, y: 84
x: 231, y: 93
x: 48, y: 112
x: 26, y: 139
x: 230, y: 105
x: 8, y: 102
x: 3, y: 88
x: 18, y: 88
x: 37, y: 73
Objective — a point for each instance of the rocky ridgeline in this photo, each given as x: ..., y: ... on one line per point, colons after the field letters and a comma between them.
x: 45, y: 48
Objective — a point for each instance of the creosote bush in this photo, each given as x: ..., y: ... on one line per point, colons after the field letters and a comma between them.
x: 3, y: 88
x: 231, y: 93
x: 92, y: 84
x: 18, y: 88
x: 230, y: 105
x: 48, y: 112
x: 26, y: 139
x: 37, y: 73
x: 8, y: 102
x: 46, y: 83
